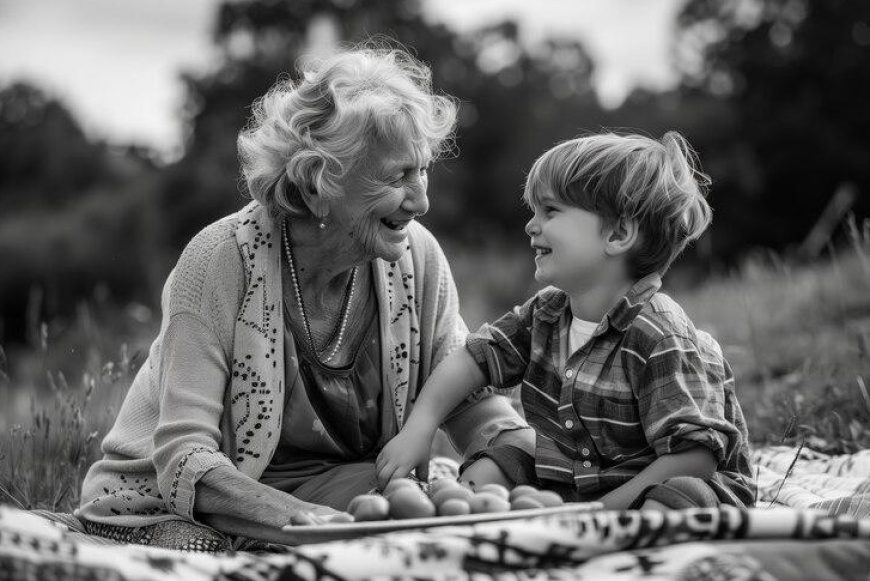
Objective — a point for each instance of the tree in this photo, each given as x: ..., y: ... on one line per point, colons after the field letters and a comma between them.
x: 795, y: 74
x: 76, y: 214
x: 46, y: 158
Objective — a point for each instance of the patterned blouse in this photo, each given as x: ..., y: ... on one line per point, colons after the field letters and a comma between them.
x: 647, y: 384
x: 332, y: 415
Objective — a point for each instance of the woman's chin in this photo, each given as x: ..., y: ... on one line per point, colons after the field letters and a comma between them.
x: 391, y: 252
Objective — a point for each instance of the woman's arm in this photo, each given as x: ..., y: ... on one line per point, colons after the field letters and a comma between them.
x: 234, y: 503
x: 456, y: 378
x: 698, y: 462
x: 197, y: 480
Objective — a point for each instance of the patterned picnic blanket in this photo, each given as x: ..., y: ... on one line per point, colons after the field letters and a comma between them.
x: 817, y: 529
x: 803, y: 478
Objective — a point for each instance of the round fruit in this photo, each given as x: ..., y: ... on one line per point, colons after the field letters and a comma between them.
x: 496, y: 489
x: 454, y: 507
x: 397, y: 483
x: 442, y: 484
x: 410, y: 502
x: 354, y: 502
x: 369, y: 507
x: 522, y: 490
x: 488, y: 502
x: 444, y: 494
x: 549, y: 498
x: 526, y: 502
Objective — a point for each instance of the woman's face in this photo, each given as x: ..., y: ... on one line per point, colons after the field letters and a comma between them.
x: 383, y: 193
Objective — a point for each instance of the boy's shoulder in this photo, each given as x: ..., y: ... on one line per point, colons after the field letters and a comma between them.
x: 662, y: 318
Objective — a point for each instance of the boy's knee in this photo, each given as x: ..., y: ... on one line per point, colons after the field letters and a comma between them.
x: 683, y: 492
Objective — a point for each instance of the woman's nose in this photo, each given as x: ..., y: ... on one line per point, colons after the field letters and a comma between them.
x: 416, y: 199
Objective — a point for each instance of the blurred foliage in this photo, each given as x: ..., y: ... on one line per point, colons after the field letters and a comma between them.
x: 78, y: 217
x: 795, y: 76
x: 773, y: 97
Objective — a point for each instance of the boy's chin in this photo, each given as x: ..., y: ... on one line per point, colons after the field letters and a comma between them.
x: 541, y: 276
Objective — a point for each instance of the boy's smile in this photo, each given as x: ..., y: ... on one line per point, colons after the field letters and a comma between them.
x: 541, y: 251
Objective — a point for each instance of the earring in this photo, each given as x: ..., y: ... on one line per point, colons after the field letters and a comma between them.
x: 322, y: 225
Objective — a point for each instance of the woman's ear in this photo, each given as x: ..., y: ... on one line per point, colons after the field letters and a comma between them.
x: 302, y: 172
x: 622, y: 237
x: 316, y: 204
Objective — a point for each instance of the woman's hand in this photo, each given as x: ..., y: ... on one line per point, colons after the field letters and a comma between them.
x: 318, y: 516
x: 407, y: 451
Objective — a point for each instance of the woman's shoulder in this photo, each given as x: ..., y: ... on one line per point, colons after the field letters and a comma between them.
x: 215, y: 240
x: 211, y: 264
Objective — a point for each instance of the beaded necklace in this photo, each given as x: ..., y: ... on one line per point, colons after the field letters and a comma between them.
x: 342, y: 322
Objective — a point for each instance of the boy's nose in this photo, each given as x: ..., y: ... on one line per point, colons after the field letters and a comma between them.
x: 532, y: 227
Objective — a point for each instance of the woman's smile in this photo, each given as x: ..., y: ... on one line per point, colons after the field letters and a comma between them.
x: 396, y: 225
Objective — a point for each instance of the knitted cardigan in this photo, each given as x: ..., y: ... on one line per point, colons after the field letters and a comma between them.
x: 212, y: 388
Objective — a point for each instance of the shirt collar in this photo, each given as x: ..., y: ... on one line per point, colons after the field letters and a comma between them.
x: 623, y: 313
x: 620, y: 315
x: 552, y: 306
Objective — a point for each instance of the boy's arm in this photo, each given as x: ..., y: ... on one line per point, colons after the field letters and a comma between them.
x: 455, y: 378
x: 697, y: 461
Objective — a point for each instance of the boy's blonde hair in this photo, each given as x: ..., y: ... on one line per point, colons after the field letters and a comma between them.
x: 630, y: 177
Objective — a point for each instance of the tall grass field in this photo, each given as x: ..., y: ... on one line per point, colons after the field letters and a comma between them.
x: 797, y: 335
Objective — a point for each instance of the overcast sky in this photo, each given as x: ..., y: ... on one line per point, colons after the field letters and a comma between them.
x: 115, y: 63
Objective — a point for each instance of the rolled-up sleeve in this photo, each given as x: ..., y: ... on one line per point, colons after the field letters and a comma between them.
x: 502, y: 349
x: 682, y: 402
x: 187, y: 439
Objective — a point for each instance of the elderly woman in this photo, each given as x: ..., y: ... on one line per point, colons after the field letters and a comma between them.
x: 297, y: 332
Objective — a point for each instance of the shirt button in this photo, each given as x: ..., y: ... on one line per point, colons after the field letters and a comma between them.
x: 585, y: 451
x: 587, y: 464
x: 569, y: 424
x: 569, y: 374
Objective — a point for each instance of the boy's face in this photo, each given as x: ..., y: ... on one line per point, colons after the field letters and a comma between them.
x: 569, y: 245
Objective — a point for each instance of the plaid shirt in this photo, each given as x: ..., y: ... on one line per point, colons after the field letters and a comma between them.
x: 646, y: 384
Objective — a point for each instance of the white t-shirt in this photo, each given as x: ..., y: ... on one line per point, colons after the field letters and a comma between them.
x: 580, y: 333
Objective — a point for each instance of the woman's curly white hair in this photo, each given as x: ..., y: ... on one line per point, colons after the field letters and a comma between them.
x: 306, y: 134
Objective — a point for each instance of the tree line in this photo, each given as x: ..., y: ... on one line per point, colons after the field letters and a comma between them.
x: 773, y: 96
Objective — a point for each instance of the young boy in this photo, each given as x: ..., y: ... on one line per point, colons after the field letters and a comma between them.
x: 632, y: 405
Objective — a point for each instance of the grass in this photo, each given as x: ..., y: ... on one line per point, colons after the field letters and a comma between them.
x: 797, y: 335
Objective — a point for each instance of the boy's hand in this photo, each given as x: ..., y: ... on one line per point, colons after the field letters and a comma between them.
x: 407, y: 451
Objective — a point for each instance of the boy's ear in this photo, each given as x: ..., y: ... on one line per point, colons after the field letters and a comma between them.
x: 622, y: 237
